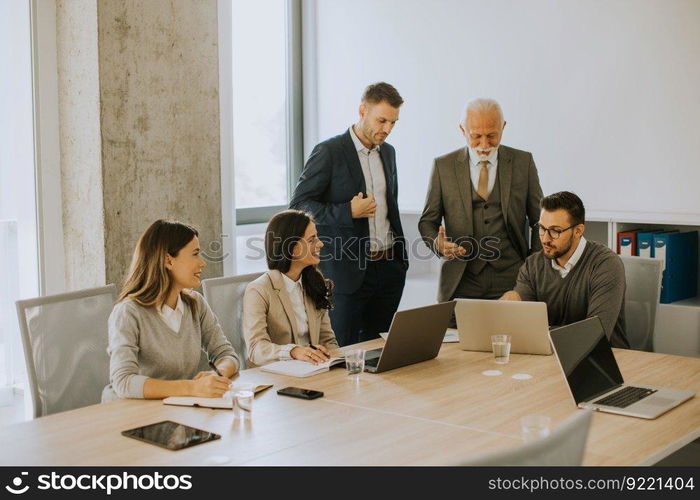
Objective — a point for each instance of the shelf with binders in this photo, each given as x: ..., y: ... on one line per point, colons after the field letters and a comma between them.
x: 677, y: 325
x: 645, y: 222
x: 683, y: 232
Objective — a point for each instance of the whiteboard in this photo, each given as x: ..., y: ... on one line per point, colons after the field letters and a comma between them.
x: 605, y: 94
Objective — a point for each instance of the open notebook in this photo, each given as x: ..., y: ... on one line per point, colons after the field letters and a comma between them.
x: 296, y: 368
x: 222, y: 403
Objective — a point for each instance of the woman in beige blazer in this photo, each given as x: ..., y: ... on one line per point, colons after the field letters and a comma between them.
x: 285, y: 311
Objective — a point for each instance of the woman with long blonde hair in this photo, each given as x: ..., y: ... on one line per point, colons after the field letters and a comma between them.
x: 160, y: 326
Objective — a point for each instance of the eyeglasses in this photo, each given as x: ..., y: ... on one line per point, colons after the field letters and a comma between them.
x: 553, y: 233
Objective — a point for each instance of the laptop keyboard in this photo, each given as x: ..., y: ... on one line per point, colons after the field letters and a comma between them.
x: 625, y: 397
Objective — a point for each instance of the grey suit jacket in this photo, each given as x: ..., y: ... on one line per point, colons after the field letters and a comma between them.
x: 269, y: 321
x: 450, y: 197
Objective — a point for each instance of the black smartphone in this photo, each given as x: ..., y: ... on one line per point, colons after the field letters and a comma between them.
x: 297, y: 392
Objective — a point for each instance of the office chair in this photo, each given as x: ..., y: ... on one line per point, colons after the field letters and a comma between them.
x: 643, y: 278
x: 565, y: 446
x: 225, y: 297
x: 65, y: 347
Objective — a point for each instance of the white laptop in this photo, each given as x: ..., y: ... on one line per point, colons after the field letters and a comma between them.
x: 594, y: 379
x: 525, y: 322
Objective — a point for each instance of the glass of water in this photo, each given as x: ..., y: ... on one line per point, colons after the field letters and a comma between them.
x: 501, y: 348
x: 534, y: 427
x: 243, y: 404
x: 355, y: 362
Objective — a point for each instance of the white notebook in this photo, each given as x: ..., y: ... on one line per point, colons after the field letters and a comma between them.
x: 296, y: 368
x: 223, y: 403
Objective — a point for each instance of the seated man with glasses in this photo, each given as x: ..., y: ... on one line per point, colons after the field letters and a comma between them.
x: 577, y: 279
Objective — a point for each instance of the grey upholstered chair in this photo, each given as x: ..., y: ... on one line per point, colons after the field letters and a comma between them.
x: 65, y: 347
x: 564, y: 446
x: 225, y: 297
x: 643, y: 278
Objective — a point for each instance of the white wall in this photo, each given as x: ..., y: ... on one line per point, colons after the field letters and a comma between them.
x: 604, y: 93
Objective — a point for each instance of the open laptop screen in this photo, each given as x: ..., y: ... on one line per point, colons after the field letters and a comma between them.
x: 586, y: 358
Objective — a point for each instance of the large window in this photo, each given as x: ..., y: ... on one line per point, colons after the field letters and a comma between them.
x: 18, y: 229
x: 266, y: 119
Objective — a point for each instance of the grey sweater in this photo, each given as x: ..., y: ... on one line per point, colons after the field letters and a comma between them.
x: 595, y: 286
x: 141, y: 345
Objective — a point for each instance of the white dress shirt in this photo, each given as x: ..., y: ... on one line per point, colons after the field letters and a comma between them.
x: 295, y: 289
x: 564, y: 271
x: 373, y: 171
x: 475, y: 167
x: 173, y: 317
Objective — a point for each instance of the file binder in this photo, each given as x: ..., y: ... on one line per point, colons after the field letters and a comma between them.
x: 645, y: 241
x: 645, y: 244
x: 679, y: 252
x: 627, y: 242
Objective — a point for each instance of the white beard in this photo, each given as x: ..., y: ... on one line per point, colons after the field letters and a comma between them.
x: 490, y: 157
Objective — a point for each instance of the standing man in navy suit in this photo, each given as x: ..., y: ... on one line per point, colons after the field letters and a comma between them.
x: 350, y: 186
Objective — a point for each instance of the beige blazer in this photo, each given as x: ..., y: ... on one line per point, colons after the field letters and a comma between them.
x: 269, y: 321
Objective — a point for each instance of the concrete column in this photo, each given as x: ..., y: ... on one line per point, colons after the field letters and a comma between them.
x: 79, y: 135
x: 158, y: 128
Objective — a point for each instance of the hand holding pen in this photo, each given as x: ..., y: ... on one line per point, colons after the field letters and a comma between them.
x: 312, y: 353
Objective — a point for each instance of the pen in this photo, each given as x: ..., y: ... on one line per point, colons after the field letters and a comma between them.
x: 317, y: 349
x: 215, y: 368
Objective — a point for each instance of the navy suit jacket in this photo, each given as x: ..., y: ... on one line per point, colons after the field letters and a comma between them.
x: 332, y: 176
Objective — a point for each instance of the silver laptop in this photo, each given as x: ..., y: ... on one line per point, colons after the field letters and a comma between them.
x: 415, y: 335
x: 594, y: 378
x: 525, y: 322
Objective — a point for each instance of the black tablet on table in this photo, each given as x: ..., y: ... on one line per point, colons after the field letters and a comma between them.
x: 171, y: 435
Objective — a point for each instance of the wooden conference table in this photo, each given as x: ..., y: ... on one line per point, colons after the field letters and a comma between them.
x: 438, y: 412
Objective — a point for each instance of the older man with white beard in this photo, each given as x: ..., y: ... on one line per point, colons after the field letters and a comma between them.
x: 487, y: 194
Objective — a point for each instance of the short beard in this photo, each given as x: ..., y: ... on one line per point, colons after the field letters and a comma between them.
x: 558, y: 254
